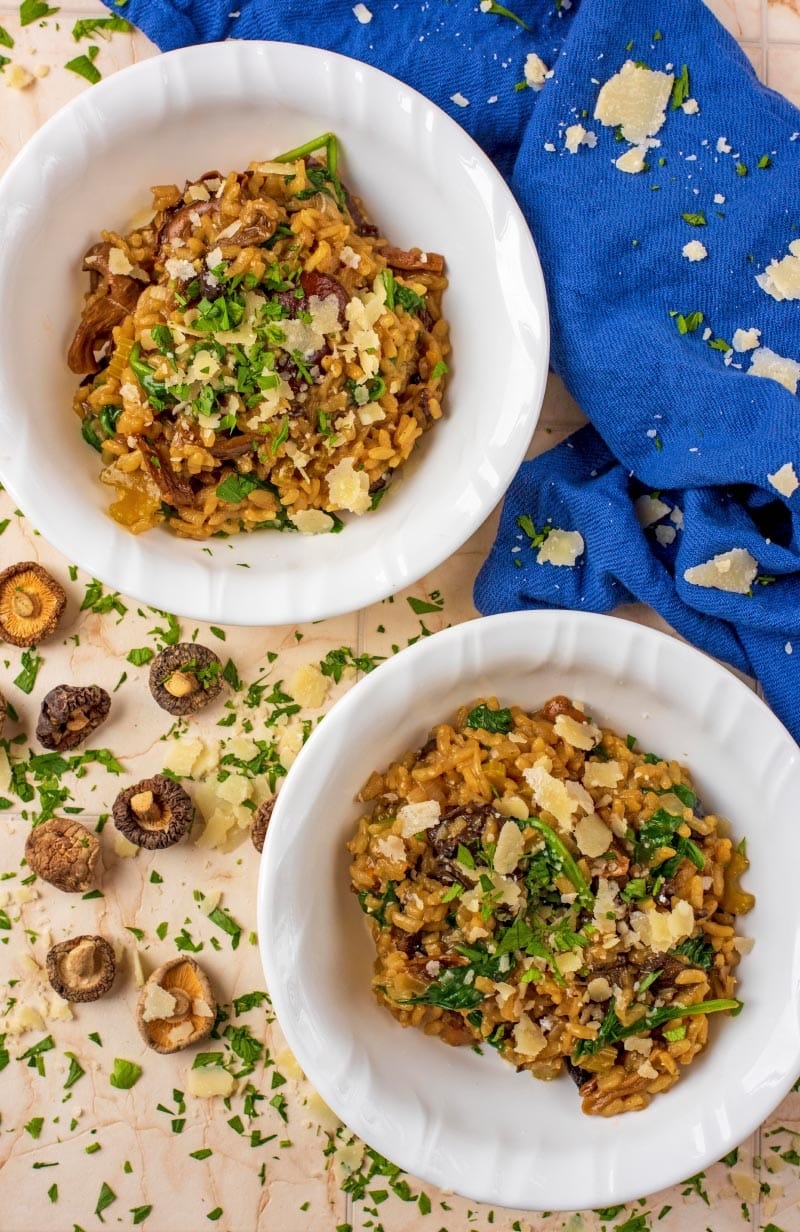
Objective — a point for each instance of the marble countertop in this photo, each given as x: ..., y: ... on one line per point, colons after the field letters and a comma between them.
x: 75, y: 1151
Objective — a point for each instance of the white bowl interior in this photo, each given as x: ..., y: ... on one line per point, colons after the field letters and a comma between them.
x: 469, y: 1122
x: 425, y: 182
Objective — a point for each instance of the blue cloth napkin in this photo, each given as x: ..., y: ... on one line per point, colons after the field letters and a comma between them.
x: 674, y: 411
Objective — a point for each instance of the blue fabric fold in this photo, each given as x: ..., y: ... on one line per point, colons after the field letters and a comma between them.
x: 674, y: 410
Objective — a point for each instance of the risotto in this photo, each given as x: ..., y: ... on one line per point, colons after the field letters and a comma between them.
x: 536, y: 884
x: 255, y: 354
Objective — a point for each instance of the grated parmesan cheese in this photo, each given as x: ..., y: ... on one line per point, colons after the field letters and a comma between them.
x: 529, y: 1039
x: 362, y: 14
x: 665, y: 535
x: 561, y: 547
x: 662, y: 930
x: 635, y: 100
x: 510, y: 846
x: 209, y: 1081
x: 694, y: 251
x: 580, y: 735
x: 459, y: 100
x: 551, y: 795
x: 602, y: 774
x: 733, y: 571
x: 649, y: 509
x: 392, y: 847
x: 416, y: 817
x: 592, y: 836
x: 746, y: 339
x: 785, y: 480
x: 781, y: 278
x: 690, y: 106
x: 599, y: 989
x: 118, y: 263
x: 633, y: 160
x: 158, y: 1003
x: 576, y: 135
x: 775, y: 367
x: 18, y: 78
x: 309, y: 687
x: 535, y: 71
x: 313, y: 521
x: 348, y: 488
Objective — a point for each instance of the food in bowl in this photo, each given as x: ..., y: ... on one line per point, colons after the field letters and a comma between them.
x: 535, y: 883
x: 255, y: 354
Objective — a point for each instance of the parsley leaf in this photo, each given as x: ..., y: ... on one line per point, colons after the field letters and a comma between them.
x: 481, y: 717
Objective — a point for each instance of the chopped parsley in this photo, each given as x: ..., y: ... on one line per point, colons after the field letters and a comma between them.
x: 125, y: 1074
x: 482, y: 718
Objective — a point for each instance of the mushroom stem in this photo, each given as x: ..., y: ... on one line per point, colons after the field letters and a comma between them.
x: 25, y: 604
x: 146, y: 809
x: 183, y: 1005
x: 79, y: 963
x: 181, y: 684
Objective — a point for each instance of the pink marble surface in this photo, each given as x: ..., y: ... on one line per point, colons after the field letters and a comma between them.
x: 281, y: 1163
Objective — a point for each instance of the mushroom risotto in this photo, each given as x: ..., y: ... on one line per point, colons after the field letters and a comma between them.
x: 535, y: 883
x: 256, y: 354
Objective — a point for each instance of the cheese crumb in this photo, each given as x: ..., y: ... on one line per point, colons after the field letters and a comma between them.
x: 649, y: 509
x: 459, y: 100
x: 576, y: 135
x: 690, y: 106
x: 180, y: 270
x: 599, y: 989
x: 774, y: 367
x: 349, y: 488
x: 635, y: 99
x: 561, y: 547
x: 18, y: 78
x: 349, y: 257
x: 781, y: 278
x: 785, y: 480
x: 313, y: 521
x: 665, y: 535
x: 733, y: 571
x: 694, y: 250
x: 633, y: 160
x: 746, y: 339
x: 535, y: 71
x: 309, y: 687
x: 362, y: 14
x: 662, y: 930
x: 118, y: 263
x: 510, y: 846
x: 414, y: 818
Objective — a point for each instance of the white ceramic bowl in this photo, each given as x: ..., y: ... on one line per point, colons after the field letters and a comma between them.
x: 471, y: 1123
x: 425, y: 182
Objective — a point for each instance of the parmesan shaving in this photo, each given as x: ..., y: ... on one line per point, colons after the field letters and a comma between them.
x: 635, y: 100
x: 561, y: 547
x: 781, y: 278
x: 775, y: 367
x: 785, y: 480
x: 733, y: 571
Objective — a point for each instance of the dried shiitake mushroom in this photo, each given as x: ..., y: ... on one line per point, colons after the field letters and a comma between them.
x: 154, y: 813
x: 260, y: 823
x: 176, y: 1006
x: 82, y: 968
x: 31, y: 603
x: 69, y: 715
x: 64, y: 853
x: 185, y: 678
